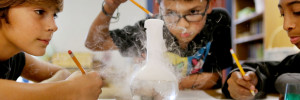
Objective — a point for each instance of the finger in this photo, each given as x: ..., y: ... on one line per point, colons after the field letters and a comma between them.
x: 236, y: 91
x: 244, y: 83
x: 94, y: 74
x: 249, y: 76
x: 144, y: 55
x: 252, y: 78
x: 76, y: 73
x: 233, y: 87
x: 239, y: 93
x: 236, y: 75
x: 243, y: 92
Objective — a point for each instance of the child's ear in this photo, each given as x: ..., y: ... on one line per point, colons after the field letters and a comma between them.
x: 210, y: 6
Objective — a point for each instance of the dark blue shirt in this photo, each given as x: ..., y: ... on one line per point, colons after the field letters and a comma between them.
x: 12, y: 68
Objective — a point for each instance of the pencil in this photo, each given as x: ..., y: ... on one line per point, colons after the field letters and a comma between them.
x: 144, y: 9
x: 76, y: 62
x: 239, y: 66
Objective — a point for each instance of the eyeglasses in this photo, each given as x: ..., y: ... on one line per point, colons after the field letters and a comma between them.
x: 174, y: 18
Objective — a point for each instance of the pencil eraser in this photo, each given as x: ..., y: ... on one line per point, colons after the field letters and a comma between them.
x: 231, y: 51
x: 70, y: 52
x: 151, y: 15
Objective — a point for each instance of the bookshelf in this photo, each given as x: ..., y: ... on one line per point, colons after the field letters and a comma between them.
x: 248, y: 29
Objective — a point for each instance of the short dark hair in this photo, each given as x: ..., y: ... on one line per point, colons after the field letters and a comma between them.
x: 4, y: 7
x: 6, y: 4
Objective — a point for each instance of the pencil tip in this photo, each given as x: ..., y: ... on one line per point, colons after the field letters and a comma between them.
x: 150, y: 14
x: 252, y: 92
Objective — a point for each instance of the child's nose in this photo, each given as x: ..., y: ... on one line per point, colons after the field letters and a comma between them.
x: 52, y: 25
x: 183, y: 22
x: 288, y: 24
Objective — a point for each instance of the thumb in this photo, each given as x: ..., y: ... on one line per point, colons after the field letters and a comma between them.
x: 74, y: 74
x: 251, y: 77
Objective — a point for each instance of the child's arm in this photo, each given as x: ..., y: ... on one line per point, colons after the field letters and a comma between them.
x: 77, y: 87
x: 200, y: 81
x: 38, y: 71
x: 58, y: 76
x: 99, y: 37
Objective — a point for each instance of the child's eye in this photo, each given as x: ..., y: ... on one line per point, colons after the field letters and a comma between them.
x: 40, y: 12
x: 195, y: 12
x: 297, y: 13
x: 55, y: 16
x: 171, y: 13
x: 282, y: 15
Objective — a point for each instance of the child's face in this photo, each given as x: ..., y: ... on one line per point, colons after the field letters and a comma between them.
x: 30, y: 28
x: 185, y: 19
x: 290, y: 10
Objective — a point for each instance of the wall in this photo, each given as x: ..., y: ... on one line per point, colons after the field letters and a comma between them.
x: 273, y: 23
x: 78, y: 15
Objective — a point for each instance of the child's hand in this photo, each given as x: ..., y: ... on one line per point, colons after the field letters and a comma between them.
x: 239, y: 86
x: 87, y: 87
x: 114, y: 3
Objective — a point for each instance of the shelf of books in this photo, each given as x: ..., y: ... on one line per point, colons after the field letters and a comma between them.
x: 248, y: 29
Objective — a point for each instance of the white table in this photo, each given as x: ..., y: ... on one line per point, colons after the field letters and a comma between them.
x: 214, y: 94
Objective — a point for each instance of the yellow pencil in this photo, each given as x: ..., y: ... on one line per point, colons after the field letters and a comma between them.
x: 239, y: 66
x: 76, y: 62
x: 144, y: 9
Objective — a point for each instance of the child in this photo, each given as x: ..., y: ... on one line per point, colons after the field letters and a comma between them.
x: 26, y: 27
x: 196, y: 35
x: 264, y: 79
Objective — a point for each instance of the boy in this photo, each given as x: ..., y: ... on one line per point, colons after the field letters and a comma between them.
x: 265, y: 78
x: 193, y: 32
x: 26, y: 27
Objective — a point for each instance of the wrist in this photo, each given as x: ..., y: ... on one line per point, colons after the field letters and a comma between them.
x: 109, y: 8
x: 195, y: 83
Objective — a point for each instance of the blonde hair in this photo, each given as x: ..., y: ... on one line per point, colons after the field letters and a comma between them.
x: 6, y: 4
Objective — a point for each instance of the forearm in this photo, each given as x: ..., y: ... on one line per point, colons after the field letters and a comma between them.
x: 58, y: 76
x: 11, y: 90
x: 199, y: 81
x: 38, y: 71
x: 98, y: 38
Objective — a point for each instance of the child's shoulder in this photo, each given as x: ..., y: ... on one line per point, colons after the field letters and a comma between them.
x: 220, y: 11
x: 220, y: 15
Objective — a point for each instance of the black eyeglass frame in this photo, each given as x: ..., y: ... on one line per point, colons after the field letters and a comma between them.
x: 184, y: 16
